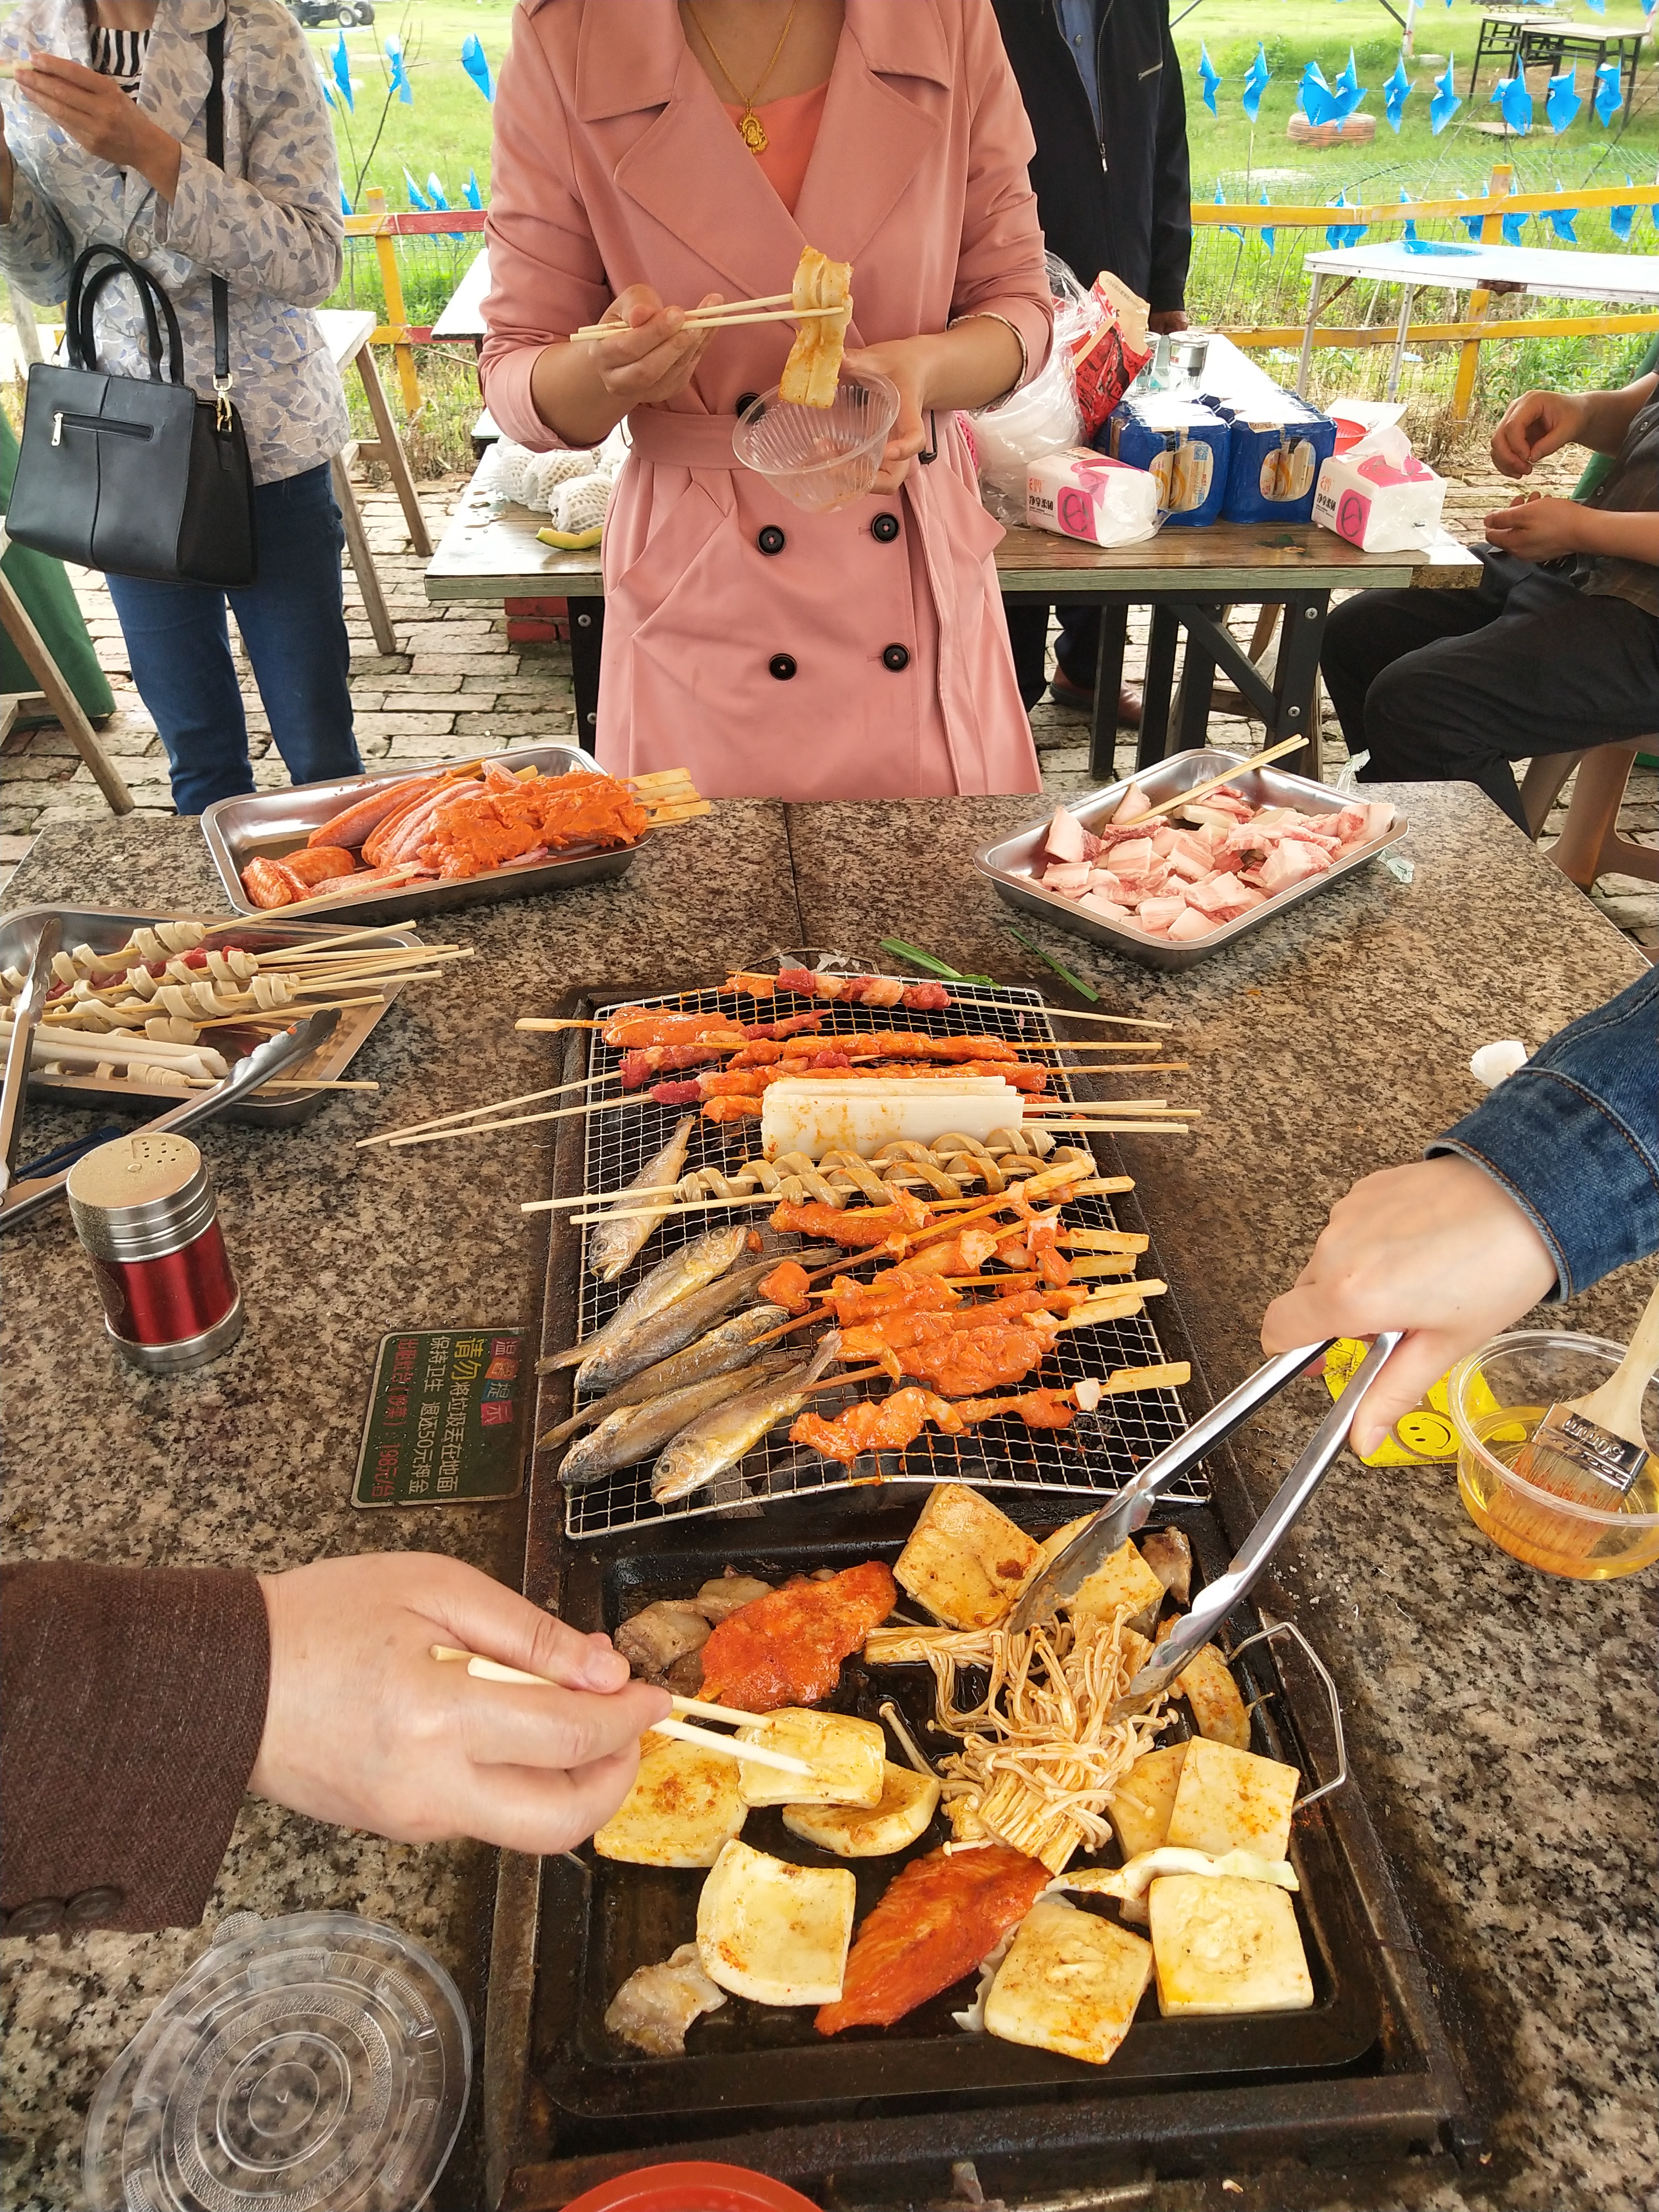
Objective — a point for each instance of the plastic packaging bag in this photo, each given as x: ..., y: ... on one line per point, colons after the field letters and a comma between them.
x: 1111, y: 355
x: 1082, y: 494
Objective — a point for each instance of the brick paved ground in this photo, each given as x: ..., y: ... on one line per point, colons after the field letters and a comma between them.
x: 455, y: 687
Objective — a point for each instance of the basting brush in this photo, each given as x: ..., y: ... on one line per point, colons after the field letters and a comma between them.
x: 1590, y: 1450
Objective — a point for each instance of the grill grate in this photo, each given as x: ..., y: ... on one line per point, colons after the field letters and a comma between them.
x: 1092, y: 1459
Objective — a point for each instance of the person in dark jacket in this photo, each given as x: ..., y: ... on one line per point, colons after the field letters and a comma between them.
x: 1101, y: 86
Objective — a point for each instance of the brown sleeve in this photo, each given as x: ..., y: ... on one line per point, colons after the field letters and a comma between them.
x: 134, y: 1700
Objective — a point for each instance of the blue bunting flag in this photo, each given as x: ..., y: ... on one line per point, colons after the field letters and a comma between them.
x: 1619, y: 220
x: 1514, y: 103
x: 1395, y: 93
x: 1447, y: 100
x: 1256, y: 80
x: 418, y: 198
x: 400, y: 83
x: 1561, y: 220
x: 476, y: 63
x: 1209, y: 76
x: 1409, y: 233
x: 472, y: 195
x: 1561, y: 102
x: 1267, y: 230
x: 1609, y: 93
x: 343, y: 73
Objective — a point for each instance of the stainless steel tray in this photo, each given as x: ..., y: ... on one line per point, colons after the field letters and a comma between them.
x: 105, y: 932
x: 268, y: 824
x: 1016, y: 863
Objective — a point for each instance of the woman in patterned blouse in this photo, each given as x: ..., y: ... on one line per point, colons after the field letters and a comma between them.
x: 104, y: 142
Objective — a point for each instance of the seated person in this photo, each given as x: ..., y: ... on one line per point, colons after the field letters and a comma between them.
x: 1558, y: 648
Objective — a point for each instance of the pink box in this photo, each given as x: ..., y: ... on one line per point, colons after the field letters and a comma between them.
x: 1079, y: 493
x: 1380, y: 503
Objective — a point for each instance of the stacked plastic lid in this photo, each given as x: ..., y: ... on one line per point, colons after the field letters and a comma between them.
x: 318, y: 2061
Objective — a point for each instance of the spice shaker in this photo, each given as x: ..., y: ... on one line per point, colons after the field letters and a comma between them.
x: 144, y: 1210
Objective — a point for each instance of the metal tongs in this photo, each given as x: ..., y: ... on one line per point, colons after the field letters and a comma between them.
x: 1115, y: 1523
x: 260, y: 1064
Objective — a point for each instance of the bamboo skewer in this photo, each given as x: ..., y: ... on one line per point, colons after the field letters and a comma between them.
x: 1215, y: 782
x: 470, y: 1113
x: 710, y: 319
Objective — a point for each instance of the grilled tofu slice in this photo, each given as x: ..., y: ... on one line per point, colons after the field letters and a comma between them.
x: 965, y: 1560
x: 684, y: 1806
x: 1122, y: 1584
x: 1207, y: 1685
x: 1140, y: 1808
x: 1232, y: 1800
x: 774, y: 1932
x: 1070, y: 1983
x: 848, y: 1757
x: 1225, y: 1946
x: 907, y: 1804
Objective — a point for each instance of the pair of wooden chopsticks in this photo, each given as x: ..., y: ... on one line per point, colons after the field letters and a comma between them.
x: 492, y: 1670
x: 770, y: 307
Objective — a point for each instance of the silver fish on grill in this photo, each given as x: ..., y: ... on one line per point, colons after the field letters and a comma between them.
x: 694, y: 1264
x: 636, y: 1432
x: 660, y: 1333
x: 719, y: 1439
x: 614, y: 1243
x: 730, y: 1344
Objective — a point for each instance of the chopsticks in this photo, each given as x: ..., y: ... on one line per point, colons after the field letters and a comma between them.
x: 492, y: 1670
x: 727, y: 315
x: 1215, y: 783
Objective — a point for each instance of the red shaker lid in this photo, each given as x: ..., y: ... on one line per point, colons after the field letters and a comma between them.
x: 692, y: 2186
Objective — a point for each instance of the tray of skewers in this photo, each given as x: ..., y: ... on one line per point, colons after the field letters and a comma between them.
x: 803, y: 1246
x: 542, y: 817
x: 1188, y: 856
x: 148, y: 1007
x: 978, y: 1878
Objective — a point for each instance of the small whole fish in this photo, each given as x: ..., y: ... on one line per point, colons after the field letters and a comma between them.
x: 717, y: 1440
x: 730, y: 1344
x: 636, y: 1432
x: 658, y: 1333
x: 694, y: 1264
x: 614, y: 1243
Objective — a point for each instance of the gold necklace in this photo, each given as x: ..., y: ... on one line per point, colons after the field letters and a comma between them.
x: 751, y: 128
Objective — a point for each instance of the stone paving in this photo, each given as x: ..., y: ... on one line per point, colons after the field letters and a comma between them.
x: 456, y: 686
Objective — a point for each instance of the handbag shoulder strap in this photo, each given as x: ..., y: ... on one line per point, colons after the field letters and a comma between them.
x: 214, y: 119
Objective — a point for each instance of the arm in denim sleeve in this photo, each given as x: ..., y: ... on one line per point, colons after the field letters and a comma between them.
x: 1573, y: 1137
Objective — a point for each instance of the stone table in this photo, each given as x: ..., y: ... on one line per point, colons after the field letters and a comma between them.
x: 1500, y: 1723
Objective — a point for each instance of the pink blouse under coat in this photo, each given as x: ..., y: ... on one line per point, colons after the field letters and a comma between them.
x: 792, y: 131
x: 772, y: 652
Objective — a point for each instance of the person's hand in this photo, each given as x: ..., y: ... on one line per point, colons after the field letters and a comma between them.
x: 363, y: 1727
x: 906, y: 362
x: 1439, y: 1249
x: 1538, y: 529
x: 652, y: 356
x: 1535, y: 424
x: 99, y: 116
x: 1164, y: 322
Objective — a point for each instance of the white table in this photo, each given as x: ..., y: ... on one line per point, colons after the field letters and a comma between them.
x: 348, y: 333
x: 1631, y: 280
x: 464, y: 316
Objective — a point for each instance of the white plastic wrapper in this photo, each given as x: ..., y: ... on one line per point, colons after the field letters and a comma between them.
x: 1042, y: 416
x: 1493, y: 1062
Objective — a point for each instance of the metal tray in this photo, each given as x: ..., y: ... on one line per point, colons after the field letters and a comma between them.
x: 1015, y: 864
x: 269, y: 823
x: 1093, y: 1458
x: 104, y: 931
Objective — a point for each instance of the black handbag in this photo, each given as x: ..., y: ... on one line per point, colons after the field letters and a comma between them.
x: 136, y: 475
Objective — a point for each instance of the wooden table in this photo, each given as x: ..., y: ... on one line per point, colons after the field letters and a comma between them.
x: 348, y: 333
x: 1186, y: 577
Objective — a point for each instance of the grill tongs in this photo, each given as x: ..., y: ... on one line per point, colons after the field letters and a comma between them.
x: 1115, y: 1523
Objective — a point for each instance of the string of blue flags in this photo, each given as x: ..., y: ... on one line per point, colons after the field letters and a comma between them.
x: 1324, y: 101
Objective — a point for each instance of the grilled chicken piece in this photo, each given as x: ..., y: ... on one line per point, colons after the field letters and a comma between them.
x: 715, y: 1600
x: 786, y: 1649
x: 934, y: 1924
x: 654, y: 1639
x: 1170, y: 1556
x: 656, y: 2005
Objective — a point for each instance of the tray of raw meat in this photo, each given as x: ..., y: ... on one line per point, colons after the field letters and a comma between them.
x: 539, y: 818
x: 1135, y: 867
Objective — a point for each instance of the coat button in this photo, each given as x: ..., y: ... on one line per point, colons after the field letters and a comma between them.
x: 89, y: 1905
x: 782, y: 665
x: 39, y: 1918
x: 744, y: 402
x: 771, y: 540
x: 895, y: 658
x: 885, y: 528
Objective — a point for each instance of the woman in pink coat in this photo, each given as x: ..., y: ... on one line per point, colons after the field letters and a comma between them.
x: 857, y: 655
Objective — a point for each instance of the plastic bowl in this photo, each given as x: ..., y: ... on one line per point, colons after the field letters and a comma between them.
x: 693, y: 2186
x: 819, y: 458
x: 1498, y: 1395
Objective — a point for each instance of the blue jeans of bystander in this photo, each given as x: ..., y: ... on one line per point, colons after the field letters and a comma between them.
x: 292, y: 623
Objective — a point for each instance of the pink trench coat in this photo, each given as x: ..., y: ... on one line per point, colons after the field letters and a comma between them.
x: 773, y: 653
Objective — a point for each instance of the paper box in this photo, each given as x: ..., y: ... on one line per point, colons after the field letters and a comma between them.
x: 1274, y: 454
x: 1083, y: 494
x: 1380, y: 505
x: 1182, y: 445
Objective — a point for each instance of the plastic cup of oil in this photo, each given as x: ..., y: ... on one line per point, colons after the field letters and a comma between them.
x: 1497, y: 1396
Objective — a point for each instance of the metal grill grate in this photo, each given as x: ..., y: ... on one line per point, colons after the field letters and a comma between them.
x: 1091, y: 1459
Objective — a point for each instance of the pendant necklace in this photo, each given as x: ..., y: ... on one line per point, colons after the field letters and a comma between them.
x: 751, y: 128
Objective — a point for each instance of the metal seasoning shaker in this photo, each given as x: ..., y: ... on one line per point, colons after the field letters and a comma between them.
x: 144, y: 1210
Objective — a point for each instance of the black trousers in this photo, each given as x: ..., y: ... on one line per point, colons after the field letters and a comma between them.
x: 1452, y: 686
x: 1077, y: 649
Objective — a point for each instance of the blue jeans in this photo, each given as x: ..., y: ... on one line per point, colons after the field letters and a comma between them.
x: 293, y: 623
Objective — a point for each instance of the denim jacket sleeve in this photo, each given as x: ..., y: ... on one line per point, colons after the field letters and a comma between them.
x: 1573, y: 1137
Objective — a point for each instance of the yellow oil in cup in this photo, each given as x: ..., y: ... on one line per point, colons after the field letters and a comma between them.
x: 1497, y: 1398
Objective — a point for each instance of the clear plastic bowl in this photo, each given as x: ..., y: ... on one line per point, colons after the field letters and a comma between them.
x: 819, y: 458
x: 1498, y: 1395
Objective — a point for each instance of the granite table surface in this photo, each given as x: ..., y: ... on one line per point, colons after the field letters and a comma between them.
x: 1501, y: 1723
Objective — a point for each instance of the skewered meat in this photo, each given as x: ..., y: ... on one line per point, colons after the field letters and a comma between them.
x: 894, y: 1423
x: 643, y: 1026
x: 654, y: 1638
x: 857, y: 1226
x: 472, y: 829
x: 786, y: 1649
x: 933, y: 1925
x: 360, y: 820
x: 813, y: 368
x: 786, y: 1286
x: 895, y: 1291
x: 851, y: 990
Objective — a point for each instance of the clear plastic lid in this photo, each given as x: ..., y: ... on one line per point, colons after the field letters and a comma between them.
x: 318, y: 2061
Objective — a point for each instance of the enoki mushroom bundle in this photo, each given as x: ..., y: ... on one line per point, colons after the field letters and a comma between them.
x: 1040, y: 1756
x: 950, y: 1167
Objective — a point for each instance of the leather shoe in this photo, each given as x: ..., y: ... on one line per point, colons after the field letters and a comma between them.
x: 1062, y: 688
